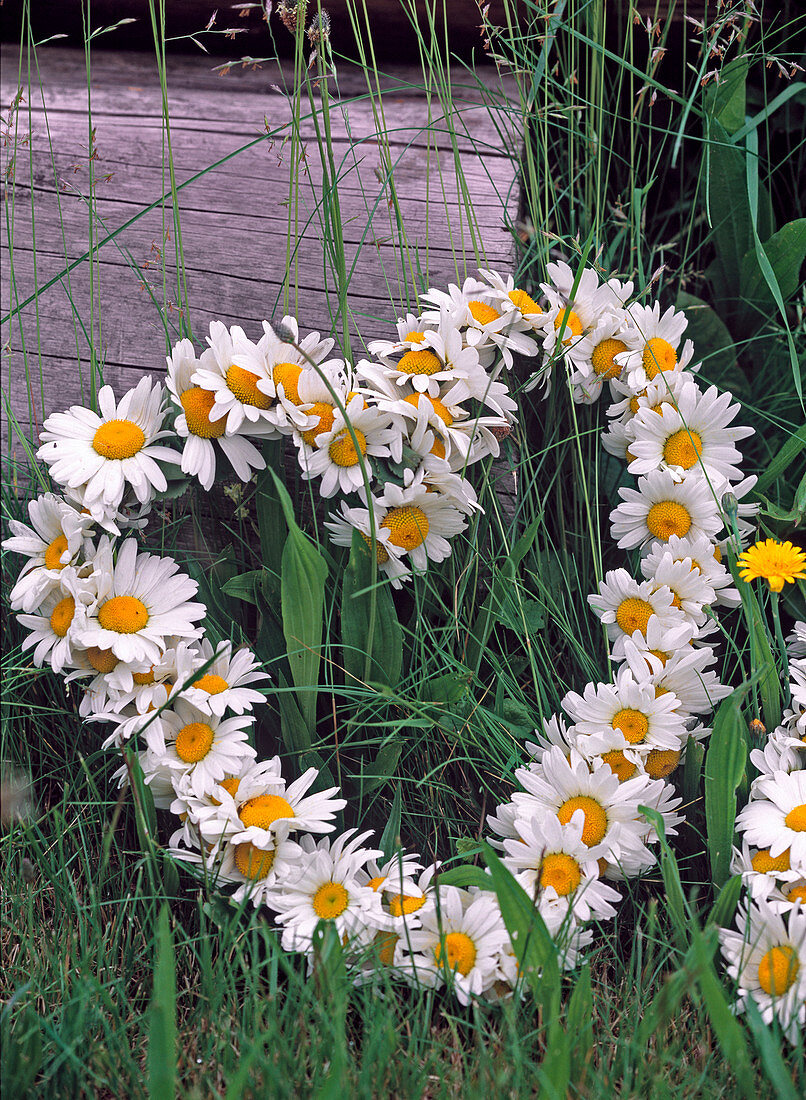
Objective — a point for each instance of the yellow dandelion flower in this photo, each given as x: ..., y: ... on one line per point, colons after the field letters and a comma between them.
x: 778, y: 563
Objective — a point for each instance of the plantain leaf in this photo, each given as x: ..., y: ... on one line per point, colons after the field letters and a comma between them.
x: 726, y: 99
x: 384, y: 765
x: 785, y: 251
x: 728, y: 209
x: 302, y: 599
x: 724, y: 768
x: 466, y: 874
x: 371, y: 638
x: 390, y: 838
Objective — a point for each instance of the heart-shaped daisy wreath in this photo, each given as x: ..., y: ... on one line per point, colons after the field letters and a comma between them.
x: 393, y: 437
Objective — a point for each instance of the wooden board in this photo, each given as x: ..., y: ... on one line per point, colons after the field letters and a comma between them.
x: 70, y: 192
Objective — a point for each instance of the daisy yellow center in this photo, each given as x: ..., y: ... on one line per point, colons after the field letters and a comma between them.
x: 408, y: 526
x: 595, y: 826
x: 440, y: 409
x: 403, y: 904
x: 53, y: 554
x: 330, y: 900
x: 632, y: 723
x: 438, y: 449
x: 560, y: 871
x: 143, y: 678
x: 198, y: 404
x: 568, y: 320
x: 482, y: 313
x: 325, y: 415
x: 603, y: 358
x: 123, y: 615
x: 667, y: 518
x: 523, y: 302
x: 778, y: 970
x: 343, y: 451
x: 683, y: 448
x: 419, y: 362
x: 244, y: 385
x: 385, y: 944
x: 633, y: 614
x: 635, y: 403
x: 414, y: 337
x: 193, y: 742
x: 287, y: 376
x: 62, y: 615
x: 662, y: 762
x: 797, y: 892
x: 658, y: 355
x: 211, y: 683
x: 264, y: 809
x: 764, y: 863
x: 457, y: 951
x: 102, y: 660
x: 796, y: 819
x: 230, y: 785
x: 778, y: 563
x: 252, y: 862
x: 118, y: 439
x: 381, y: 553
x: 662, y: 657
x: 376, y: 883
x: 620, y: 766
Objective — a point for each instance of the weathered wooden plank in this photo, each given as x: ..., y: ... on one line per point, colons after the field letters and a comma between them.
x: 234, y: 219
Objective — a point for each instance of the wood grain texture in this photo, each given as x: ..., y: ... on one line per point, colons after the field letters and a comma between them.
x: 74, y: 187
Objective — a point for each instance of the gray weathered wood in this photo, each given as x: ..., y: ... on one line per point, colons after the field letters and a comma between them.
x: 59, y: 183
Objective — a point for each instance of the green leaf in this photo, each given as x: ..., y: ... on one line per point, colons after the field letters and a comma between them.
x: 449, y: 688
x: 692, y: 771
x: 243, y: 586
x: 762, y: 661
x: 725, y: 101
x: 714, y: 344
x: 728, y: 209
x: 145, y: 815
x: 785, y: 252
x: 679, y: 909
x: 270, y: 510
x: 769, y: 1049
x: 296, y: 732
x: 467, y: 874
x: 724, y: 768
x: 534, y: 947
x: 579, y: 1024
x: 390, y: 838
x: 725, y: 905
x: 303, y: 572
x: 371, y: 637
x: 383, y: 766
x: 783, y: 460
x: 162, y: 1023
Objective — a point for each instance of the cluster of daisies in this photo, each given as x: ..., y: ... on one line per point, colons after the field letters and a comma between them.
x: 393, y: 435
x: 767, y: 955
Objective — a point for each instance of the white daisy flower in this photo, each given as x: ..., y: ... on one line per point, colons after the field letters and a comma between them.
x: 287, y: 364
x: 683, y: 671
x: 143, y: 600
x: 626, y: 605
x: 103, y: 454
x: 129, y: 514
x: 767, y: 959
x: 55, y: 539
x: 796, y: 642
x: 224, y: 685
x: 464, y: 437
x: 777, y: 818
x: 765, y: 875
x: 338, y: 454
x: 195, y: 426
x: 141, y: 685
x: 506, y: 296
x: 666, y: 388
x: 592, y: 359
x: 327, y: 888
x: 485, y: 328
x: 436, y: 473
x: 201, y: 746
x: 56, y: 627
x: 653, y: 343
x: 702, y: 553
x: 781, y: 753
x: 419, y: 521
x: 261, y: 804
x: 439, y: 355
x: 388, y: 555
x: 554, y: 866
x: 411, y: 331
x: 625, y: 715
x: 662, y: 507
x: 577, y: 317
x: 231, y: 369
x: 554, y: 733
x: 693, y: 433
x: 459, y: 942
x: 690, y: 591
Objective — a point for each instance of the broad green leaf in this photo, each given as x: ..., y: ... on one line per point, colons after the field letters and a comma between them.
x: 692, y: 771
x: 466, y: 874
x: 725, y: 100
x: 371, y: 637
x: 769, y: 1048
x: 728, y: 209
x: 270, y: 511
x: 449, y: 688
x: 383, y: 766
x: 714, y: 344
x: 785, y: 251
x: 243, y: 586
x: 725, y: 905
x: 303, y: 572
x: 390, y: 838
x: 296, y: 732
x: 724, y: 768
x: 534, y: 948
x: 162, y: 1023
